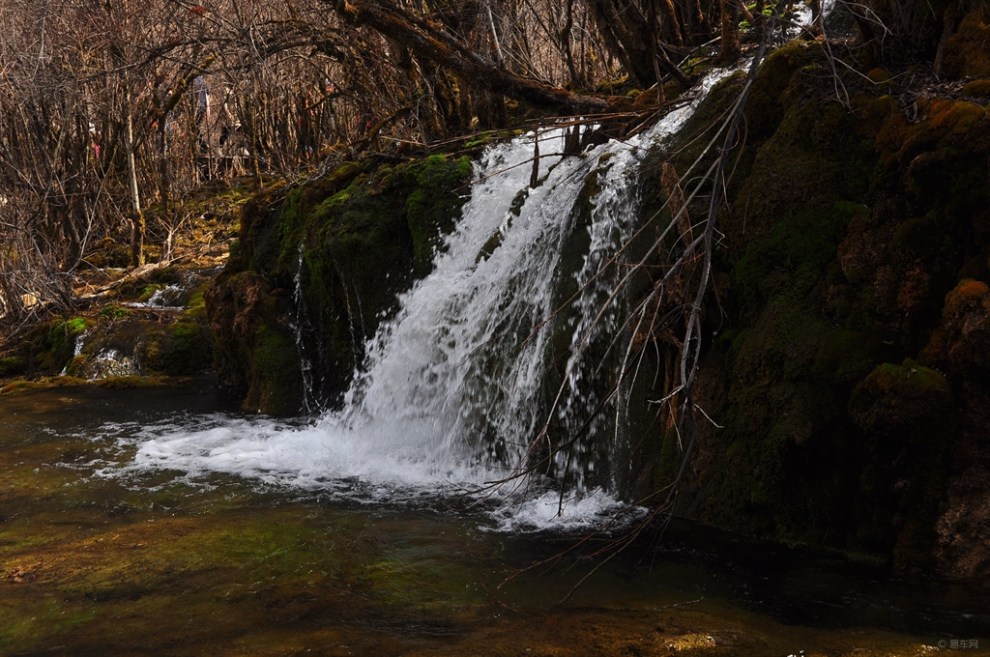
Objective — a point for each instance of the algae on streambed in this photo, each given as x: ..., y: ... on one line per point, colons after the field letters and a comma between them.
x: 151, y: 565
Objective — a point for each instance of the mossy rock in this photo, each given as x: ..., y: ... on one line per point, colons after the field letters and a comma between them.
x: 908, y: 402
x: 180, y: 348
x: 848, y: 228
x: 328, y: 258
x: 979, y: 89
x: 777, y: 74
x: 845, y: 357
x: 50, y: 346
x: 441, y: 187
x: 961, y: 342
x: 275, y: 368
x: 12, y: 366
x: 966, y: 53
x: 908, y: 415
x: 256, y: 358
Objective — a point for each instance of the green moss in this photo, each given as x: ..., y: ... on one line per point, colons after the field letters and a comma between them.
x: 440, y: 186
x: 183, y: 347
x: 276, y: 377
x: 820, y: 274
x: 113, y: 311
x: 907, y: 415
x: 777, y: 74
x: 965, y: 53
x: 795, y: 252
x: 977, y: 89
x: 196, y: 305
x: 76, y: 325
x: 329, y: 238
x: 147, y: 292
x: 12, y: 365
x: 921, y: 237
x: 699, y: 128
x: 908, y: 402
x: 49, y: 347
x: 32, y: 621
x: 845, y: 357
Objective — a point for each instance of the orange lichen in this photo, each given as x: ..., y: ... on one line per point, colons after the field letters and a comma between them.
x: 967, y: 294
x: 977, y: 89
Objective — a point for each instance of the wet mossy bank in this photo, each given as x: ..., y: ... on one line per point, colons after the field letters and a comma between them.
x: 317, y: 267
x: 154, y: 327
x: 849, y: 332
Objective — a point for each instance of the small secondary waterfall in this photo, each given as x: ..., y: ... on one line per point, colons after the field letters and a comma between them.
x: 502, y: 358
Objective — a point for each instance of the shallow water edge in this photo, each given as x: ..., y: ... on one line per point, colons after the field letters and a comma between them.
x: 149, y: 564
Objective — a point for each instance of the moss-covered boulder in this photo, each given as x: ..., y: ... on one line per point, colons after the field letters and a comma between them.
x: 965, y: 52
x: 257, y: 361
x: 317, y: 268
x: 848, y: 336
x: 907, y: 416
x: 49, y: 347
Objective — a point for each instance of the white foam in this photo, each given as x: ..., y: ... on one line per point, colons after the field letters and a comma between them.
x: 568, y: 512
x: 307, y: 457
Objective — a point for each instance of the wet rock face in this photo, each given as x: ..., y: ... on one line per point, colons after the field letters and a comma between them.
x: 853, y: 332
x: 257, y: 363
x: 317, y: 268
x: 960, y: 345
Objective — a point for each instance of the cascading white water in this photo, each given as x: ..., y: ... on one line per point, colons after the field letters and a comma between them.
x: 458, y: 376
x: 499, y: 347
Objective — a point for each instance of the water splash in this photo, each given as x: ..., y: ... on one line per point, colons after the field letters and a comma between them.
x: 77, y: 350
x: 108, y: 363
x: 169, y: 296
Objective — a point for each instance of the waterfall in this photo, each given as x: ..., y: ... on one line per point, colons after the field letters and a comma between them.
x: 459, y: 375
x: 299, y: 326
x: 502, y: 358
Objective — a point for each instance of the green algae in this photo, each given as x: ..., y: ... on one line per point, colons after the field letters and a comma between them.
x: 35, y: 621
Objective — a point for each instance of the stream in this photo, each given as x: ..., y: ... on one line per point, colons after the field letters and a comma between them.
x: 100, y: 558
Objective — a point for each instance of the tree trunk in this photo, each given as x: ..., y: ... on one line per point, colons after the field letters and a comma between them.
x: 138, y: 227
x: 428, y: 41
x: 636, y: 39
x: 730, y: 46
